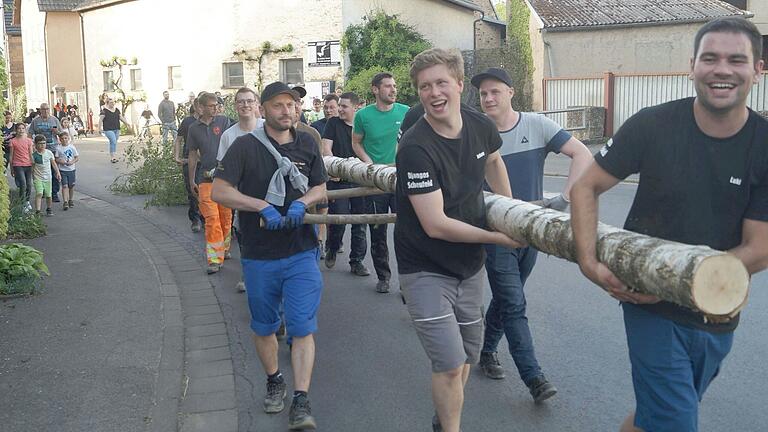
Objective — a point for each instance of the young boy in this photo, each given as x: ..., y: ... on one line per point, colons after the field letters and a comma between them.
x: 66, y: 157
x: 43, y: 164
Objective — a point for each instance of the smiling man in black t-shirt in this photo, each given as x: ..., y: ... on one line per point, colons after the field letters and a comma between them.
x: 442, y: 163
x: 272, y: 175
x: 703, y: 168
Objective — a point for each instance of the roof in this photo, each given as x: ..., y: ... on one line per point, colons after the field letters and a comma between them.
x: 57, y: 5
x: 10, y: 29
x: 469, y: 4
x: 578, y: 14
x: 94, y: 4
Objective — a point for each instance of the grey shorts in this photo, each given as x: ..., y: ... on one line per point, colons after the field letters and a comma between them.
x: 67, y: 179
x: 448, y: 316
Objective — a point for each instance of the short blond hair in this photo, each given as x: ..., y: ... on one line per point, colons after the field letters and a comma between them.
x: 437, y: 56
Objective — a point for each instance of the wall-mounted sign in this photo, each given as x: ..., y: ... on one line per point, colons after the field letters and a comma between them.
x: 324, y: 53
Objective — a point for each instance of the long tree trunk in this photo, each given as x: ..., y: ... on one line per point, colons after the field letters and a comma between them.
x: 697, y: 277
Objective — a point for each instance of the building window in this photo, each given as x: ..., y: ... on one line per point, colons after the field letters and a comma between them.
x: 136, y: 79
x: 292, y: 71
x: 174, y: 77
x: 233, y: 74
x: 109, y: 84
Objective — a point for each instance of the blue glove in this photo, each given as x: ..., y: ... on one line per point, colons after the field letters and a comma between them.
x: 272, y: 219
x: 295, y: 215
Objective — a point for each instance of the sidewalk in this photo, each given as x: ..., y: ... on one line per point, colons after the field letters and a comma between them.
x: 105, y: 346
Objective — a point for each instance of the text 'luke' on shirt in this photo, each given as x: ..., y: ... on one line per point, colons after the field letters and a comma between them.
x: 427, y: 162
x: 249, y: 166
x: 693, y: 188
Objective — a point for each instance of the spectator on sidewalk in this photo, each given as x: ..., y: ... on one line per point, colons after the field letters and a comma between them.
x: 21, y: 161
x: 49, y: 126
x: 317, y: 111
x: 44, y: 164
x: 330, y: 109
x: 167, y: 113
x: 9, y: 129
x: 203, y: 143
x: 109, y: 123
x: 66, y: 157
x: 67, y: 126
x: 181, y: 156
x: 271, y: 176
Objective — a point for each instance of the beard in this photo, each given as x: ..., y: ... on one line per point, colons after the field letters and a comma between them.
x: 276, y: 124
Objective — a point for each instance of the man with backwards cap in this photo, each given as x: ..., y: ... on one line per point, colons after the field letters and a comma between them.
x: 271, y: 176
x: 527, y: 139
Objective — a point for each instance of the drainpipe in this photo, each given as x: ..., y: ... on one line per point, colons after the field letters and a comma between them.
x: 85, y: 64
x: 549, y: 58
x: 474, y: 36
x: 47, y: 71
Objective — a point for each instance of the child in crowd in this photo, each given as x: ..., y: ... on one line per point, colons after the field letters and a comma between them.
x: 66, y: 157
x: 21, y: 162
x: 44, y: 163
x: 67, y: 126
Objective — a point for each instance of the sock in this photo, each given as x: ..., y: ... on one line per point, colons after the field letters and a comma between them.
x: 276, y: 377
x: 299, y: 393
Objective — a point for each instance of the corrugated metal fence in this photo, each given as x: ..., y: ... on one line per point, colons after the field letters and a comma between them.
x: 624, y: 95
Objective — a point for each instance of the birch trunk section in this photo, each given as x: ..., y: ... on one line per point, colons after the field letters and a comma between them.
x: 697, y: 277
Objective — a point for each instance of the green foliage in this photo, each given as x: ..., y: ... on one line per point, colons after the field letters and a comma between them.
x: 4, y: 205
x: 3, y: 82
x: 258, y: 58
x: 21, y: 267
x: 155, y: 172
x: 125, y: 99
x: 519, y: 44
x: 382, y: 41
x: 501, y: 9
x: 23, y: 222
x: 361, y: 84
x: 19, y: 104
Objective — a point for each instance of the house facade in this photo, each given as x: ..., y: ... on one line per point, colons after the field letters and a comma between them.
x: 188, y: 46
x: 579, y: 39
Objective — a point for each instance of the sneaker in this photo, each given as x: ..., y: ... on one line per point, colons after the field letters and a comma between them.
x: 357, y: 268
x: 341, y: 249
x: 213, y: 268
x: 436, y: 426
x: 240, y: 286
x: 56, y: 198
x: 48, y: 212
x: 382, y: 286
x: 273, y: 401
x: 71, y: 203
x: 300, y: 416
x: 541, y: 389
x: 38, y: 213
x: 490, y: 365
x: 330, y: 259
x: 281, y: 332
x: 65, y: 207
x: 227, y: 255
x: 195, y: 227
x: 321, y: 245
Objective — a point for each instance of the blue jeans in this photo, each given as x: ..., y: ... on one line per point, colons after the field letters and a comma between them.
x: 169, y: 127
x: 112, y: 136
x: 507, y: 271
x: 672, y: 366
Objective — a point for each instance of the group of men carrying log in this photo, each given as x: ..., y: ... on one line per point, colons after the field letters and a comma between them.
x: 703, y: 168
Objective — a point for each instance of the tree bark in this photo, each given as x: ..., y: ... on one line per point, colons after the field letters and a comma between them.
x: 352, y: 193
x: 697, y: 277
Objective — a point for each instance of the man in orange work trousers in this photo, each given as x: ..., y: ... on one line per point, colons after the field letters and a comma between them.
x: 203, y: 142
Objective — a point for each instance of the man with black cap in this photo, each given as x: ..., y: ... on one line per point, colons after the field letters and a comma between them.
x: 271, y: 176
x: 527, y: 139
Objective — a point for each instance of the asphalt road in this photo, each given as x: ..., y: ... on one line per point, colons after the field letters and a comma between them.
x: 371, y: 372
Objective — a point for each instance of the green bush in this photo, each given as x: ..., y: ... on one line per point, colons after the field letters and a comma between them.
x: 24, y: 223
x: 153, y: 172
x: 21, y: 267
x: 4, y: 205
x: 361, y: 84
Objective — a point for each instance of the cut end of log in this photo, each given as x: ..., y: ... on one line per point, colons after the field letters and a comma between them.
x: 720, y: 285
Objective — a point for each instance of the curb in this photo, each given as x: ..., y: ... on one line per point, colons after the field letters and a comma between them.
x: 194, y: 387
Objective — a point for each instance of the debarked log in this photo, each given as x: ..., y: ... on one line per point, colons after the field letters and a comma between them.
x: 343, y: 219
x: 697, y: 277
x: 335, y: 194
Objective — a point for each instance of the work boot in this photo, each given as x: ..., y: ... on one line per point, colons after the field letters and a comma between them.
x: 273, y: 401
x: 490, y: 365
x: 195, y: 226
x: 356, y: 268
x: 330, y: 259
x: 321, y: 245
x: 541, y: 389
x: 300, y: 415
x: 382, y: 286
x: 213, y: 268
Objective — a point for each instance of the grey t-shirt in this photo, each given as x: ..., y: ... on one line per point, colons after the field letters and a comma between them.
x: 45, y: 127
x: 166, y: 111
x: 206, y: 139
x: 230, y: 135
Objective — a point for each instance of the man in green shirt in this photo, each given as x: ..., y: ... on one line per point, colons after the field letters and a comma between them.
x: 374, y: 140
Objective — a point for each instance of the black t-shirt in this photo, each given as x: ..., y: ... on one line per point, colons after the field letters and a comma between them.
x: 340, y: 133
x: 693, y: 188
x: 111, y: 119
x: 184, y: 130
x: 427, y: 162
x: 249, y: 166
x: 320, y: 125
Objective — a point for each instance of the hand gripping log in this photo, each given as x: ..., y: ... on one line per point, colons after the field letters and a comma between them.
x: 697, y: 277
